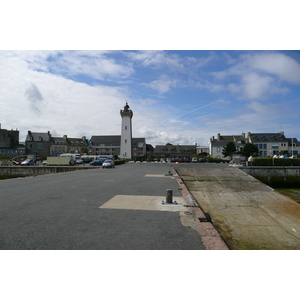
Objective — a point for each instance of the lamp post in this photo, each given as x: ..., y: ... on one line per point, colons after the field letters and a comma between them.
x: 272, y: 157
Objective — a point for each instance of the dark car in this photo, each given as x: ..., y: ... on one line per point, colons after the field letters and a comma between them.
x: 97, y: 163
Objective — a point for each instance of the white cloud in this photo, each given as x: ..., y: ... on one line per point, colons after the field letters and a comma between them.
x: 171, y: 61
x: 39, y: 101
x: 162, y: 85
x: 285, y: 67
x: 255, y: 86
x: 260, y: 75
x: 163, y: 137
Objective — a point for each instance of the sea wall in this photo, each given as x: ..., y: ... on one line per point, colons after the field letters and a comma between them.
x: 24, y: 171
x: 276, y: 177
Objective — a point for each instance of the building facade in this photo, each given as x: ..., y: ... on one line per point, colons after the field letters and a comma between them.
x: 111, y: 145
x: 64, y: 144
x: 216, y: 145
x: 9, y: 143
x: 267, y: 144
x: 274, y: 143
x: 38, y: 144
x: 170, y: 151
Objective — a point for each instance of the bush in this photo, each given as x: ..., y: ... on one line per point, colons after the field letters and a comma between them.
x: 120, y: 162
x: 277, y: 162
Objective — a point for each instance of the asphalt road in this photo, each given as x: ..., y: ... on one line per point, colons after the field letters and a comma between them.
x: 61, y: 211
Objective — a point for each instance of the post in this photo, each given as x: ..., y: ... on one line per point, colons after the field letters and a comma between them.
x: 169, y: 196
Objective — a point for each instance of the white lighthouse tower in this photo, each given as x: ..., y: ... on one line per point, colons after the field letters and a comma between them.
x: 126, y: 133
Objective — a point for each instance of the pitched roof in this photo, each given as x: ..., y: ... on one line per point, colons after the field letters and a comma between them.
x: 38, y: 136
x: 105, y: 139
x: 268, y: 137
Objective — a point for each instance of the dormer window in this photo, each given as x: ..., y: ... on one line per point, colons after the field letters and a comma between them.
x: 40, y: 138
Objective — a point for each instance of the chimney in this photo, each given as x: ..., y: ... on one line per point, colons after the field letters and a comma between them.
x: 219, y: 136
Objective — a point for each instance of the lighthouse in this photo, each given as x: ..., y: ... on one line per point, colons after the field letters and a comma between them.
x: 126, y: 132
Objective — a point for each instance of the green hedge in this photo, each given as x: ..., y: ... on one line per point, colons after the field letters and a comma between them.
x: 120, y: 162
x: 277, y: 162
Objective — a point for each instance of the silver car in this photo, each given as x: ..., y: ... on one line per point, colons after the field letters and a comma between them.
x: 108, y: 163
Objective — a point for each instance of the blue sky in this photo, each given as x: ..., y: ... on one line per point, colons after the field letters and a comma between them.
x: 176, y: 96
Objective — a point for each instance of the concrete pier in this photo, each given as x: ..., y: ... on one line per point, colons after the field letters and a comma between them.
x: 247, y: 213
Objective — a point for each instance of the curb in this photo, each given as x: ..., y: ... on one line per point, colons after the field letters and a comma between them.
x: 208, y: 234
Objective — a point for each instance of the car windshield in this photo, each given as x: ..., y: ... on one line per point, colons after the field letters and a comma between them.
x: 108, y: 161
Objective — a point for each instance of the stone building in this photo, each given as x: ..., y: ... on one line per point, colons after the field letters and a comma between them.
x: 9, y: 143
x: 38, y: 144
x: 65, y: 144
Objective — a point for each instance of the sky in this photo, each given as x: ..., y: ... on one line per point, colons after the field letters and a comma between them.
x: 178, y: 97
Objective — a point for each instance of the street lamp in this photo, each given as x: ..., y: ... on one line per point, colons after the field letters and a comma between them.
x: 272, y: 156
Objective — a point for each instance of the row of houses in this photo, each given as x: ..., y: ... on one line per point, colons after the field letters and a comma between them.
x: 267, y: 143
x: 43, y: 144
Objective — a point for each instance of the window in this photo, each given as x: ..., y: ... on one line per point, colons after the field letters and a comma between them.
x: 218, y: 149
x: 125, y: 127
x: 40, y: 146
x: 125, y: 141
x: 275, y: 146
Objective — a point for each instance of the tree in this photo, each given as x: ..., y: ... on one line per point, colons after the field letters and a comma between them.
x: 229, y: 150
x: 249, y: 150
x: 284, y: 152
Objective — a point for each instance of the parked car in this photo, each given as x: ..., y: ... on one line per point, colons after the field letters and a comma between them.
x: 108, y: 164
x: 194, y: 159
x: 79, y: 161
x: 201, y: 160
x: 96, y: 163
x: 28, y: 162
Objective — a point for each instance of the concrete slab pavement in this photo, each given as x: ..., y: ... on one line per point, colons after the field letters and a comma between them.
x: 247, y: 213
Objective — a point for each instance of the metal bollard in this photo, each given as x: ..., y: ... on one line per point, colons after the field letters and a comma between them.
x: 169, y: 196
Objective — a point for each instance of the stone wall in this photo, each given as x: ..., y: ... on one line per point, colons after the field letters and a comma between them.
x: 276, y: 177
x: 24, y: 171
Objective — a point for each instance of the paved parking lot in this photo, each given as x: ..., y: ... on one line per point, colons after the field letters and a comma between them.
x: 72, y: 211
